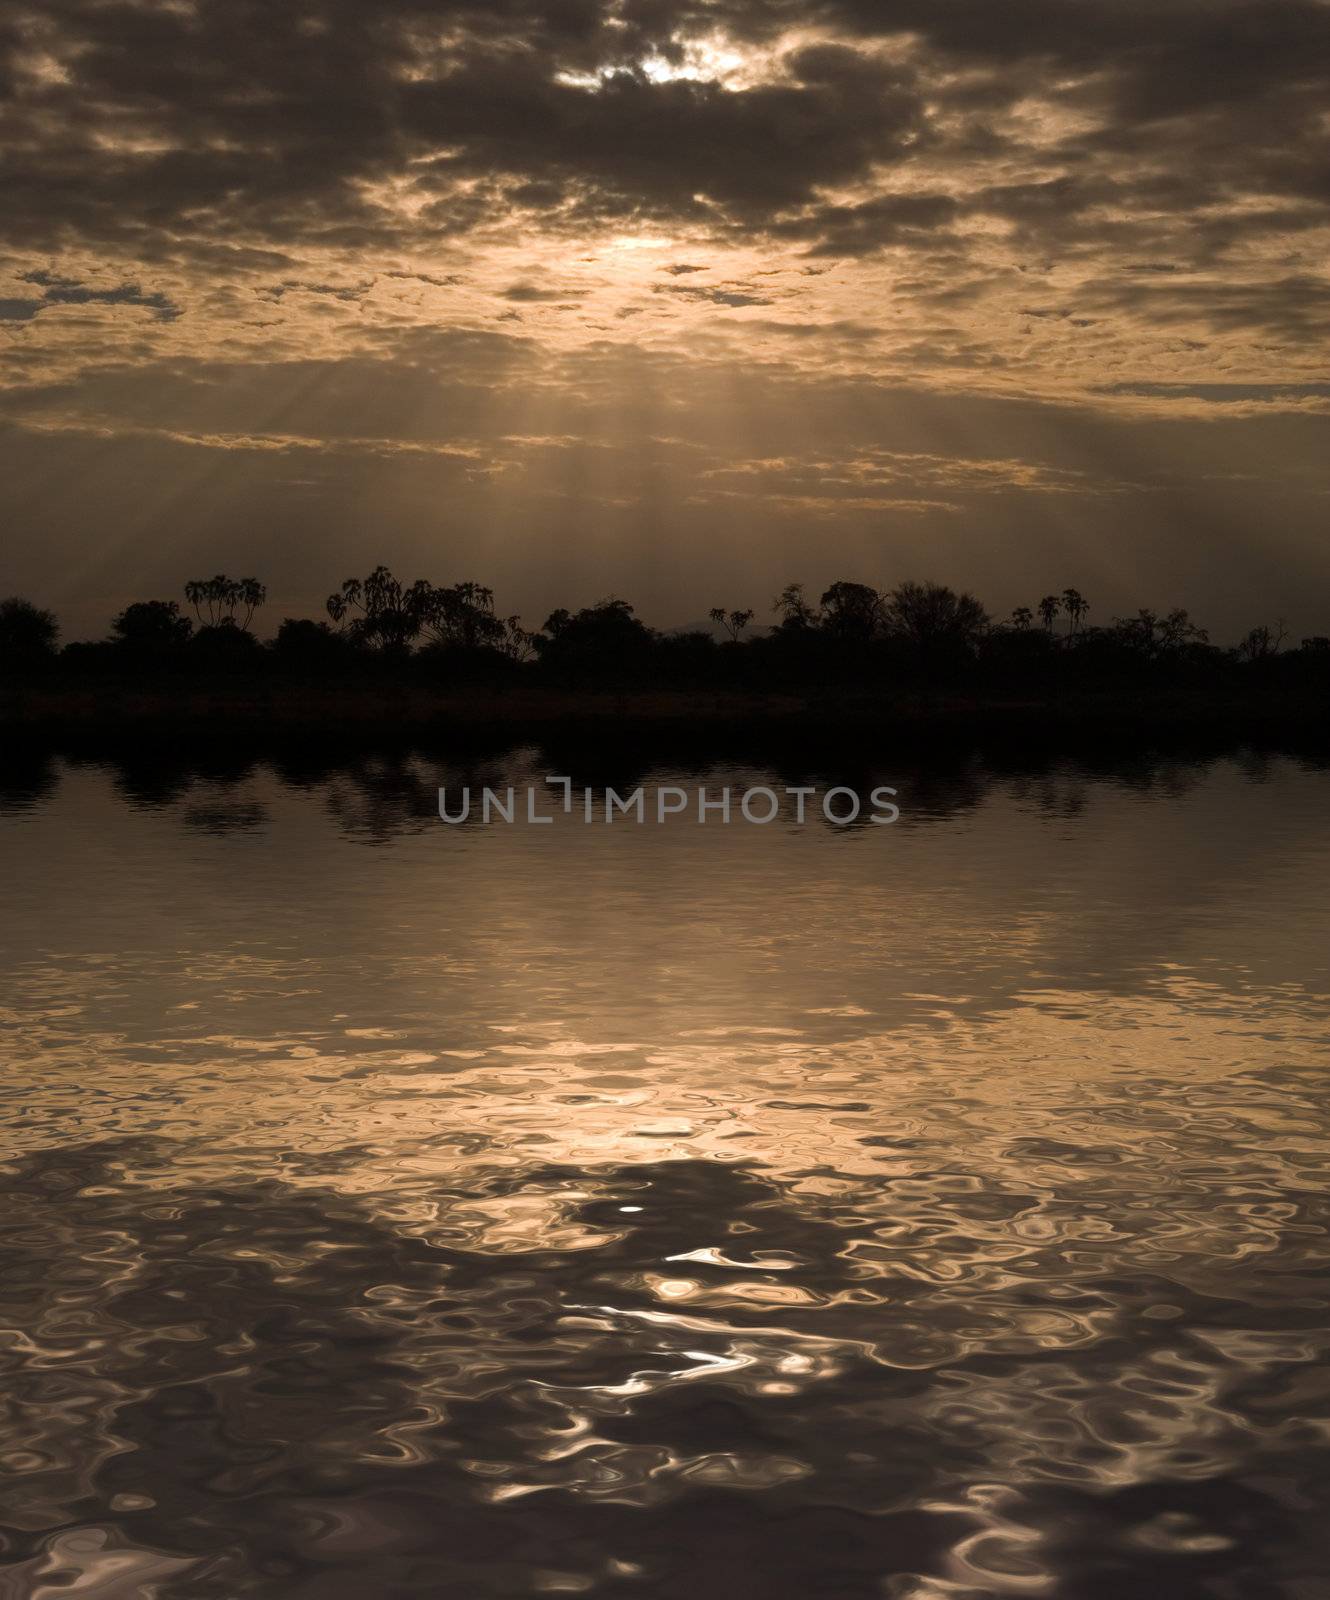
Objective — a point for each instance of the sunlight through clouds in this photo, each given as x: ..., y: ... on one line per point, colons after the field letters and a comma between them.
x: 1052, y: 238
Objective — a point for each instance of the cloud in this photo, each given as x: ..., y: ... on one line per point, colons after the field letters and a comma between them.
x: 338, y: 220
x: 337, y: 291
x: 849, y: 125
x: 58, y: 291
x: 865, y: 228
x: 533, y: 294
x: 720, y: 295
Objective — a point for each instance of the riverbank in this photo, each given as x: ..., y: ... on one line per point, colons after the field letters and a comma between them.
x: 107, y: 714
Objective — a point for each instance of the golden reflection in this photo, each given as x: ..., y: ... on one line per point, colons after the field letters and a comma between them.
x: 794, y: 1165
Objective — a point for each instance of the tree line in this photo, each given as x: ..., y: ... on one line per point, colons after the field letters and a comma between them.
x: 915, y: 633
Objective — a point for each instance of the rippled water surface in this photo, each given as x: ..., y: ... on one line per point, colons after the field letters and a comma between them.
x: 930, y: 1212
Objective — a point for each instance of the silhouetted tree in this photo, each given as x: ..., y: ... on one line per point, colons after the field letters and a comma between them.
x: 1017, y: 651
x: 1156, y: 638
x: 518, y: 643
x: 390, y: 614
x: 152, y: 625
x: 852, y: 610
x: 693, y: 657
x: 1261, y: 643
x: 934, y: 619
x: 225, y: 646
x: 301, y: 641
x: 925, y: 631
x: 733, y: 622
x: 27, y: 634
x: 462, y: 618
x: 602, y: 639
x: 793, y: 609
x: 464, y: 640
x: 1178, y: 630
x: 225, y: 602
x: 1075, y: 605
x: 1140, y: 632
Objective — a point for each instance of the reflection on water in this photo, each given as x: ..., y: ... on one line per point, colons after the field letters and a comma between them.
x: 935, y: 1212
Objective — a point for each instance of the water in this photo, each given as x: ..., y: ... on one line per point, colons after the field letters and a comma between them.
x: 936, y: 1211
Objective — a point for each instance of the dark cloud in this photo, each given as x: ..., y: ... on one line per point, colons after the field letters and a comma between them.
x: 633, y: 147
x: 1294, y: 308
x: 127, y: 120
x: 335, y: 291
x: 721, y: 295
x: 57, y: 291
x: 448, y: 282
x: 866, y: 228
x: 1223, y: 393
x: 533, y: 294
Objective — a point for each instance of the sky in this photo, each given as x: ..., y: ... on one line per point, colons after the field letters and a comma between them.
x: 675, y: 300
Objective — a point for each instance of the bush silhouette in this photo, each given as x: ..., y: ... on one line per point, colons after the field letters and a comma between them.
x: 28, y: 635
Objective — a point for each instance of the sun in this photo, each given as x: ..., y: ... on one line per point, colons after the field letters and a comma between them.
x: 713, y: 59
